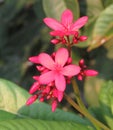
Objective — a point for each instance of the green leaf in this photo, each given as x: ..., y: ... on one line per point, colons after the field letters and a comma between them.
x: 88, y: 29
x: 55, y: 8
x: 7, y: 115
x: 106, y: 96
x: 102, y: 27
x: 30, y: 124
x: 39, y: 11
x: 12, y: 97
x: 104, y: 111
x: 102, y: 61
x: 43, y: 111
x: 106, y: 100
x: 107, y: 2
x: 91, y: 8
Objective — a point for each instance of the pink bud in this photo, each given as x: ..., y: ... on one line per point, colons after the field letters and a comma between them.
x: 41, y: 99
x: 75, y: 41
x: 54, y: 93
x: 60, y: 95
x: 53, y: 55
x: 90, y: 72
x: 83, y: 38
x: 34, y: 87
x: 36, y: 78
x: 81, y: 63
x: 80, y: 77
x: 69, y: 60
x: 54, y: 105
x: 76, y: 34
x: 55, y: 41
x: 31, y: 100
x: 63, y: 41
x: 34, y: 59
x: 47, y: 89
x: 68, y: 80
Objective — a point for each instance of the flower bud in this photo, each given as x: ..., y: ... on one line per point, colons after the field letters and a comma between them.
x: 80, y: 77
x: 90, y: 72
x: 69, y: 60
x: 75, y: 41
x: 31, y: 100
x: 55, y: 41
x: 60, y: 95
x: 34, y: 87
x: 54, y: 105
x: 76, y: 34
x: 83, y: 38
x: 81, y: 63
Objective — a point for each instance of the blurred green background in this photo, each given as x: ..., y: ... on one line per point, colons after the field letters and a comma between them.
x: 22, y: 34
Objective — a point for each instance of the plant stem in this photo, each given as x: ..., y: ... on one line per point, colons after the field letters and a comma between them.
x: 82, y: 109
x: 76, y: 106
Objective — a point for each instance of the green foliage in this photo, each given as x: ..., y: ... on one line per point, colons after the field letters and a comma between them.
x: 102, y: 31
x: 31, y: 124
x: 104, y: 112
x: 54, y: 9
x: 4, y: 115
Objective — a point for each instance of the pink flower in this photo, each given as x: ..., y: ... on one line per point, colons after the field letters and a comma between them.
x: 57, y: 68
x: 84, y: 71
x: 66, y: 26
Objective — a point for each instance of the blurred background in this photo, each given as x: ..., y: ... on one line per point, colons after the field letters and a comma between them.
x: 23, y: 34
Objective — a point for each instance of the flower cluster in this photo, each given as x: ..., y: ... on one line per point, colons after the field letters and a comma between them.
x: 84, y: 71
x: 57, y: 70
x: 66, y: 28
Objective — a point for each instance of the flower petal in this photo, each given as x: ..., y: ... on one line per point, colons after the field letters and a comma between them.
x: 90, y: 72
x: 60, y: 95
x: 61, y: 56
x: 34, y: 59
x: 60, y: 82
x: 79, y: 23
x: 53, y: 24
x: 47, y: 77
x: 57, y: 33
x: 67, y: 18
x: 46, y: 60
x: 70, y: 70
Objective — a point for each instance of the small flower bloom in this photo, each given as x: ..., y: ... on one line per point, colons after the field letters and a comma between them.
x: 57, y: 68
x: 84, y: 71
x: 66, y: 26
